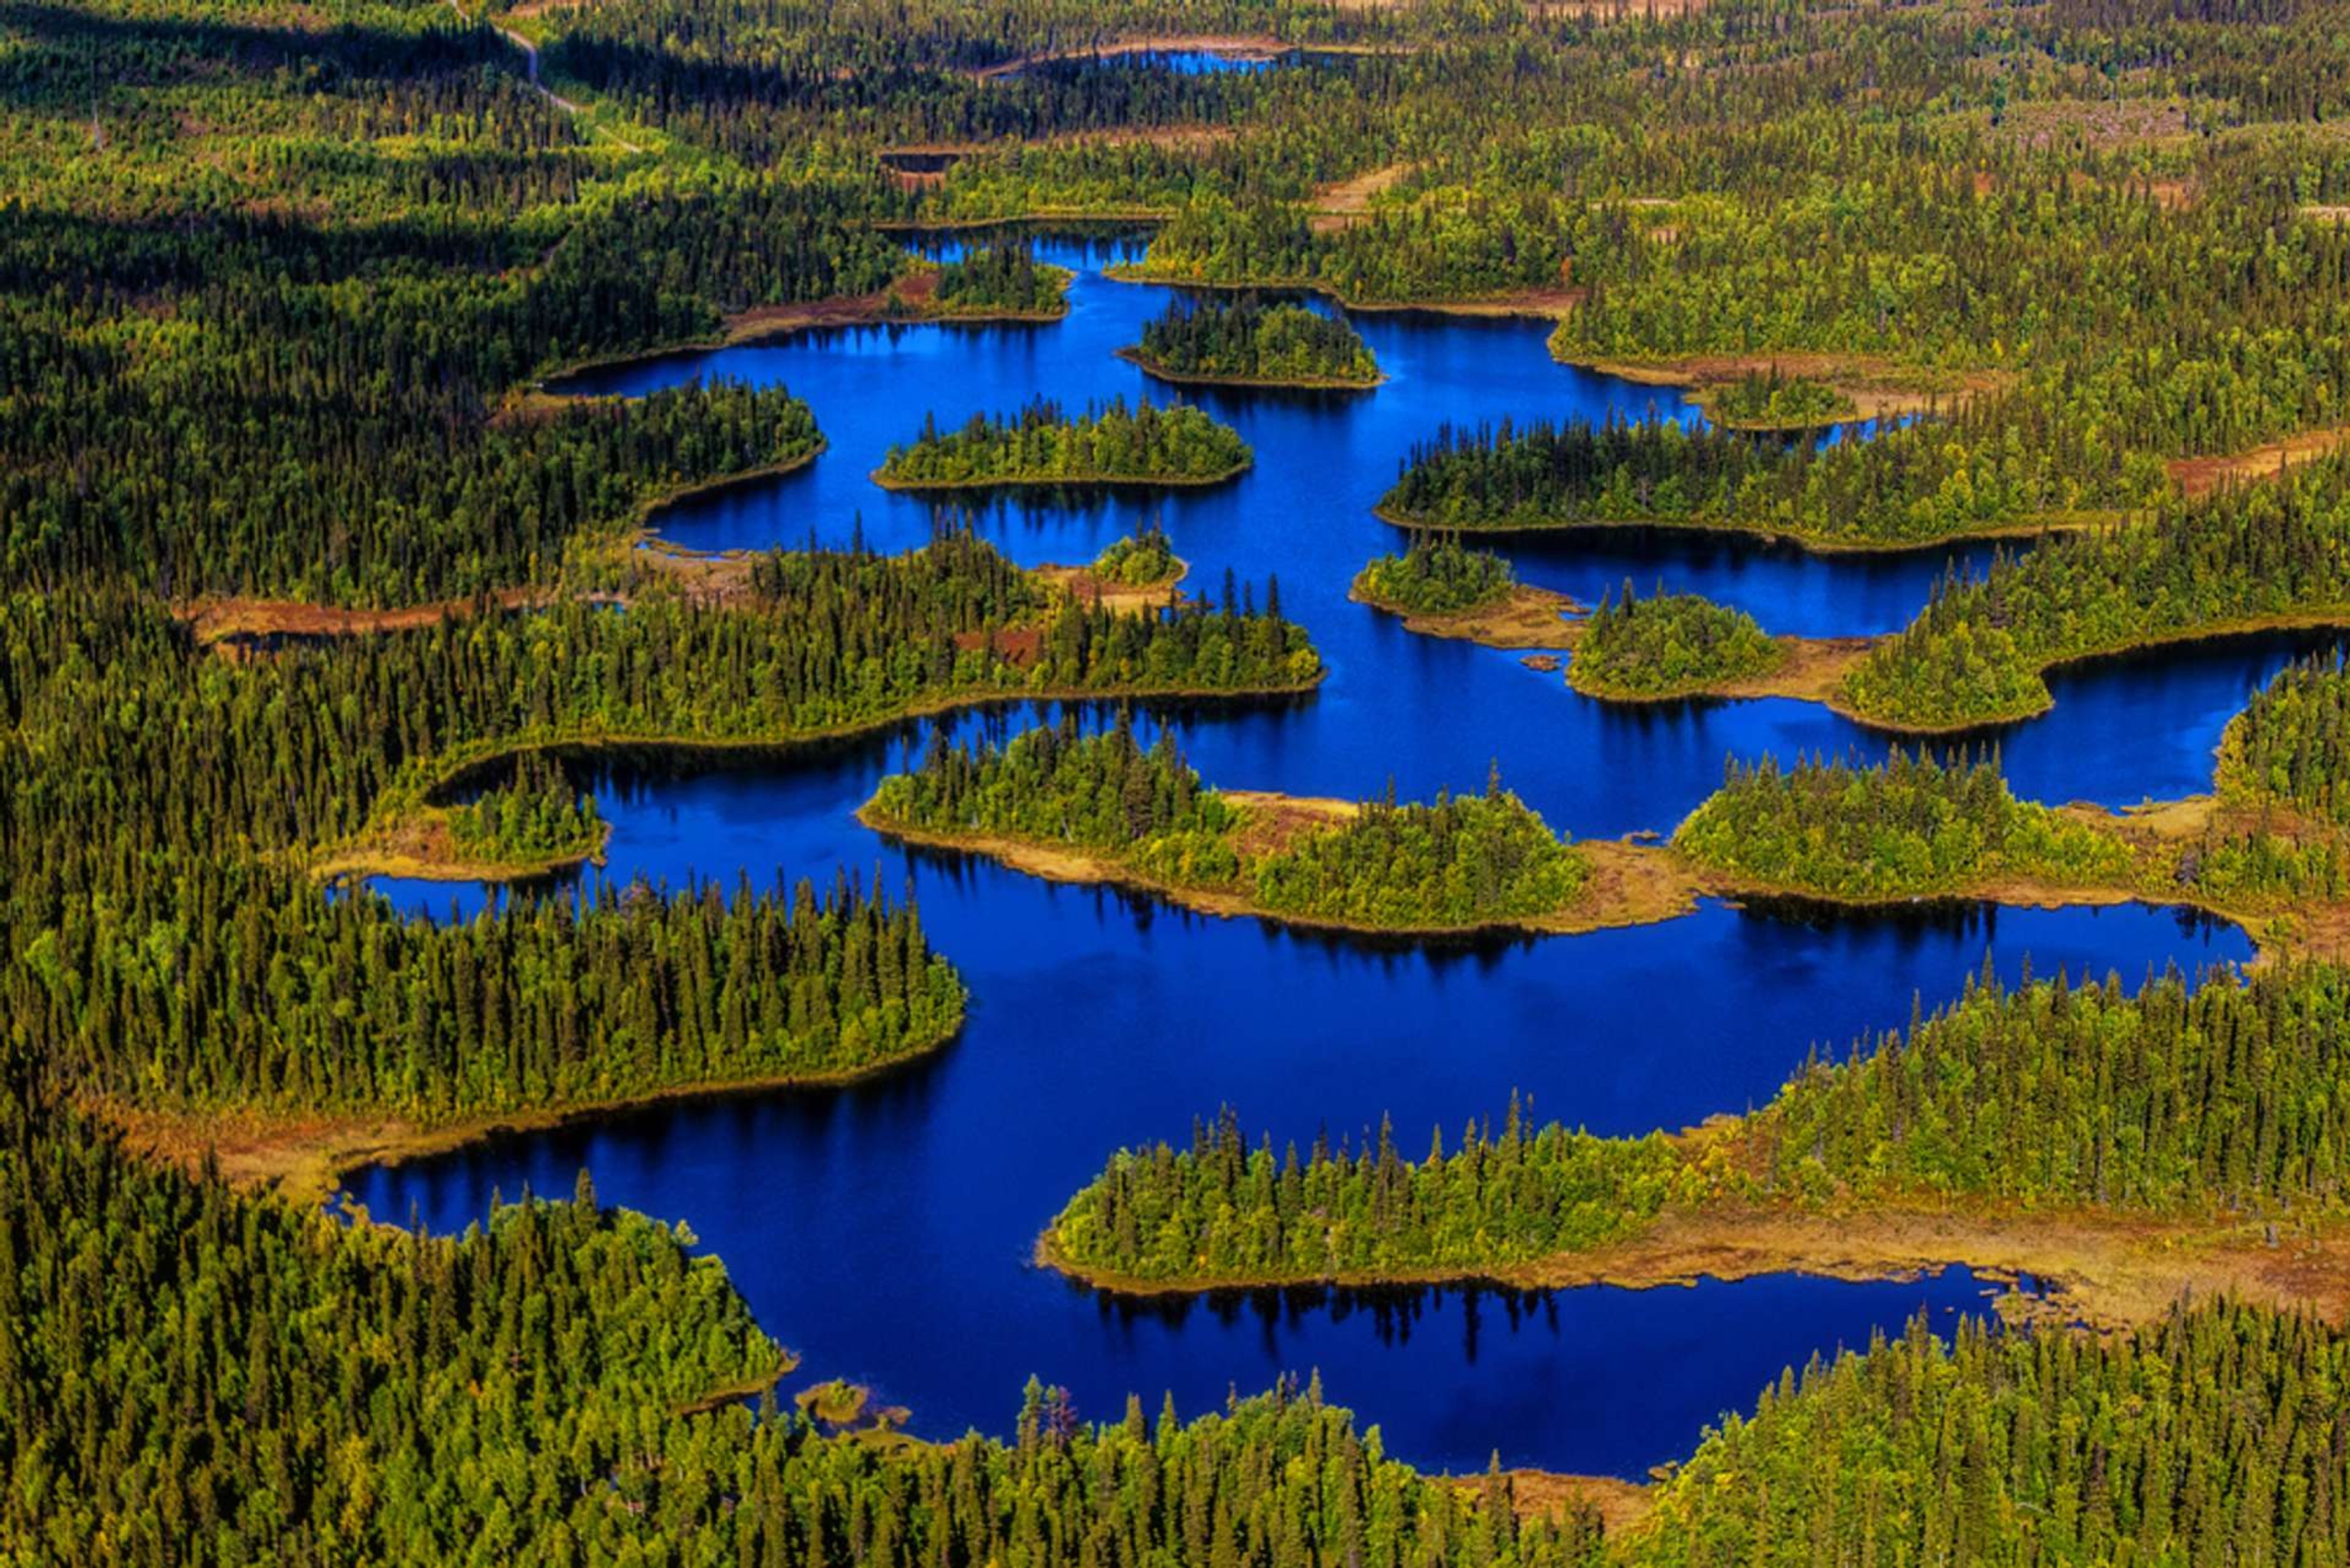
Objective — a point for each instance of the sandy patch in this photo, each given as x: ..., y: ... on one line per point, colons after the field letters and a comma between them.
x: 2201, y: 475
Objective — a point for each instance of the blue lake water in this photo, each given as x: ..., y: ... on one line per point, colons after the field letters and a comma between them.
x: 884, y: 1230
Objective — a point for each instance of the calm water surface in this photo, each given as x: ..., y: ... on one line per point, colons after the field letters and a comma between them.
x: 884, y: 1230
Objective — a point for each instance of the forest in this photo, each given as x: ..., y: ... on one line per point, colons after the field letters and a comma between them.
x: 1436, y: 575
x: 2242, y: 558
x: 1001, y: 281
x: 1139, y: 560
x: 1461, y: 862
x: 536, y: 817
x: 1667, y: 645
x: 1248, y: 342
x: 1972, y: 475
x: 1144, y: 444
x: 1766, y: 400
x: 287, y: 300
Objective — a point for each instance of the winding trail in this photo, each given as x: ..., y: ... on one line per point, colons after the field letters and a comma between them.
x: 530, y: 77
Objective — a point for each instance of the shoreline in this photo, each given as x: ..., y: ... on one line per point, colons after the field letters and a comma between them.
x: 2109, y: 1268
x: 1630, y: 883
x: 306, y: 1157
x: 1528, y: 618
x: 1810, y: 544
x: 443, y: 772
x: 1080, y: 867
x: 1173, y: 481
x: 1532, y: 303
x: 1247, y: 48
x: 1877, y: 388
x: 425, y: 862
x: 2335, y: 618
x: 1132, y: 355
x: 1810, y: 668
x: 1105, y: 216
x: 762, y: 324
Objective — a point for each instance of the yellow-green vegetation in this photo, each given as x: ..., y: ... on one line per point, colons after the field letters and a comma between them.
x: 1667, y: 645
x: 1144, y: 444
x: 535, y: 818
x: 1000, y: 282
x: 2248, y: 557
x: 1140, y: 560
x: 1766, y: 400
x: 1919, y: 827
x: 1245, y: 342
x: 1435, y: 576
x: 1463, y: 863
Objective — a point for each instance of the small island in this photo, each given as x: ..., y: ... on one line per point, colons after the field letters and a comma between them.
x: 1247, y: 343
x: 1671, y: 646
x: 1063, y: 804
x: 1143, y: 443
x: 1441, y: 588
x: 1767, y: 401
x: 997, y: 282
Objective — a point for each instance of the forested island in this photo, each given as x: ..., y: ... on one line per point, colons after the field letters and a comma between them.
x: 1444, y: 589
x: 1248, y: 343
x: 1668, y: 646
x: 1103, y: 808
x: 999, y: 282
x: 1144, y: 444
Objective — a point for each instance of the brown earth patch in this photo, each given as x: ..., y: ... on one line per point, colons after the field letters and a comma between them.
x: 2111, y: 1269
x: 2201, y: 475
x: 1020, y: 647
x: 1339, y: 204
x: 1530, y: 618
x: 1813, y: 670
x: 1271, y: 823
x: 216, y: 620
x: 1123, y: 598
x: 2102, y: 125
x: 1547, y: 1494
x: 1878, y: 387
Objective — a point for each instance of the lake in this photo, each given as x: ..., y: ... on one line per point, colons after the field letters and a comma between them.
x: 884, y: 1230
